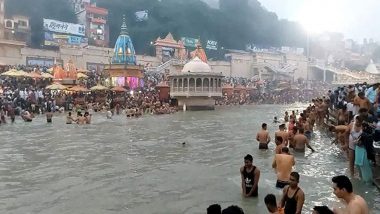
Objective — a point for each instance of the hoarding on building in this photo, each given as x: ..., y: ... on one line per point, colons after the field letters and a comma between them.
x: 212, y: 45
x: 64, y: 27
x: 57, y: 40
x: 142, y: 16
x: 189, y: 42
x: 42, y: 62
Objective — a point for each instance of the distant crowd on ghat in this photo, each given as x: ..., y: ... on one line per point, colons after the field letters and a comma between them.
x: 28, y: 97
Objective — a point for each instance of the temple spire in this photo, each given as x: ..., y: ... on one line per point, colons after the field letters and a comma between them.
x: 124, y: 28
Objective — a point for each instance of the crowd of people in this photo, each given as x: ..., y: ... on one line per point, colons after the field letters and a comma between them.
x: 356, y: 130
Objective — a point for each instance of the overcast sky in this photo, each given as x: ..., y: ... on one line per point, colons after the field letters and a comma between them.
x: 357, y: 19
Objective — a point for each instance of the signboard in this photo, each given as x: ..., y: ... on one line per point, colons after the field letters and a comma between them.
x: 190, y: 42
x: 141, y: 16
x: 42, y: 62
x: 212, y: 45
x: 64, y: 27
x: 57, y: 40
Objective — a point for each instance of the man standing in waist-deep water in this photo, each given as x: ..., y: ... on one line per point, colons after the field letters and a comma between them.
x: 250, y: 176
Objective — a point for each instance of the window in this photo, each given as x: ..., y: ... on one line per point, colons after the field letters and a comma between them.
x: 22, y: 23
x: 9, y: 24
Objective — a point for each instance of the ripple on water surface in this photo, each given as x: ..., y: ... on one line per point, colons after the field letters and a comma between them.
x: 142, y: 166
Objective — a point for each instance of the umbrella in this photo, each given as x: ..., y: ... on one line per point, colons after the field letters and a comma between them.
x: 82, y: 71
x: 56, y: 86
x: 99, y: 88
x: 83, y: 76
x: 79, y: 89
x: 118, y: 89
x: 11, y: 72
x: 21, y: 73
x: 34, y: 75
x: 47, y: 76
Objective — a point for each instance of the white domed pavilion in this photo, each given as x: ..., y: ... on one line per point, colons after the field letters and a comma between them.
x: 197, y: 86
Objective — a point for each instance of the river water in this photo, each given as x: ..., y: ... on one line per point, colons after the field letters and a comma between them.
x: 141, y: 166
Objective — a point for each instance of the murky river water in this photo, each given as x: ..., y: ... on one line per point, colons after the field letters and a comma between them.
x: 140, y: 165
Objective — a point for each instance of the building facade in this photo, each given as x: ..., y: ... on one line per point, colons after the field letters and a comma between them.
x: 95, y: 20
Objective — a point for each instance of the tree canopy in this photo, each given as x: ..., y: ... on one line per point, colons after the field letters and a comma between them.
x: 234, y: 25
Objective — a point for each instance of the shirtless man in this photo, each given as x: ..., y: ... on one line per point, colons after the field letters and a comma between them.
x: 308, y: 129
x: 279, y: 145
x: 286, y: 117
x: 292, y: 133
x: 300, y: 141
x: 340, y: 132
x: 312, y: 115
x: 69, y: 118
x: 343, y: 189
x: 362, y: 101
x: 343, y: 116
x: 263, y: 137
x: 49, y: 116
x: 283, y: 163
x: 282, y: 133
x: 81, y: 120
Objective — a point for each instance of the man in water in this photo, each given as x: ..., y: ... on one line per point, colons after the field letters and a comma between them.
x: 322, y: 210
x: 214, y: 209
x: 286, y: 117
x: 282, y: 133
x: 300, y: 141
x: 250, y: 176
x: 69, y: 118
x: 279, y: 145
x: 271, y: 203
x: 233, y: 210
x: 293, y: 196
x: 283, y: 163
x: 263, y: 137
x: 343, y: 189
x: 275, y: 120
x: 49, y: 116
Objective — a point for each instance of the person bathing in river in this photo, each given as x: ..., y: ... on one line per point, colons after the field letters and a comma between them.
x: 286, y: 117
x: 301, y: 141
x: 279, y: 145
x: 250, y: 176
x: 69, y: 118
x: 263, y: 137
x: 49, y: 116
x: 283, y: 164
x: 293, y: 197
x: 282, y: 133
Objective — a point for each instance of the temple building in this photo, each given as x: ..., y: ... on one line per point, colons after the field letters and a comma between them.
x: 199, y: 52
x: 168, y: 48
x: 197, y: 86
x: 123, y: 69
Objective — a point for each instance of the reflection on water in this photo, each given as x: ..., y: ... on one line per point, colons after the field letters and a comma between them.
x: 141, y: 165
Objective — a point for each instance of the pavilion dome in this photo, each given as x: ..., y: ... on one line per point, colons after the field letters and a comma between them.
x: 196, y: 65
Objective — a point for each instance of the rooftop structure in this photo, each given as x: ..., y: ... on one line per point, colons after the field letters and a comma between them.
x: 123, y: 68
x: 196, y: 86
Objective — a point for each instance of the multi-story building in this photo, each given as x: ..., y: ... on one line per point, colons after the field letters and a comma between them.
x: 15, y: 28
x: 95, y: 20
